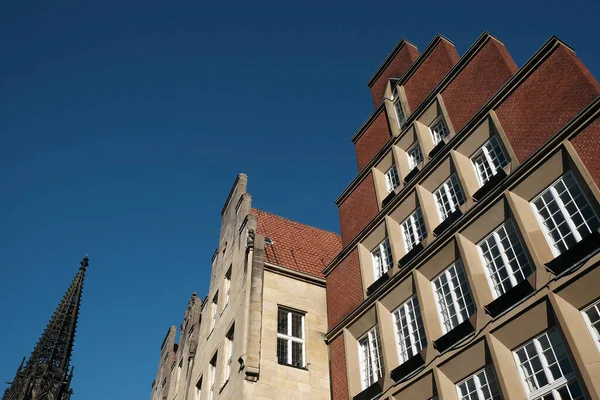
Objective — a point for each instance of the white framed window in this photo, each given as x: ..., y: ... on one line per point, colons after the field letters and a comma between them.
x: 488, y: 160
x: 400, y: 113
x: 415, y: 157
x: 213, y: 311
x: 546, y: 370
x: 505, y: 261
x: 564, y: 213
x: 213, y: 377
x: 410, y: 334
x: 371, y: 358
x: 439, y: 130
x: 382, y: 258
x: 413, y: 229
x: 227, y: 284
x: 391, y: 179
x: 453, y: 296
x: 448, y: 197
x: 178, y: 376
x: 229, y: 359
x: 482, y: 385
x: 290, y: 338
x: 591, y: 315
x: 198, y: 389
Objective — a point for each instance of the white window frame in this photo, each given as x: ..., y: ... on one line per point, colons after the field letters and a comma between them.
x: 553, y: 384
x: 229, y: 345
x: 213, y: 311
x: 436, y: 135
x: 595, y: 332
x: 382, y: 258
x: 407, y: 317
x: 400, y: 115
x: 492, y: 155
x: 450, y: 192
x: 415, y: 155
x: 567, y: 218
x: 461, y: 304
x: 227, y: 279
x: 213, y: 376
x: 372, y: 342
x: 492, y: 383
x: 289, y: 338
x: 392, y: 179
x: 411, y: 229
x: 524, y: 269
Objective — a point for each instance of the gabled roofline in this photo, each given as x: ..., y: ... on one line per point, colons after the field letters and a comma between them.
x: 501, y: 94
x: 403, y: 42
x: 446, y: 80
x: 402, y: 79
x: 237, y: 179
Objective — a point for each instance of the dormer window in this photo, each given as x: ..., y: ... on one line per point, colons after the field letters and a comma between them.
x: 488, y: 160
x: 391, y: 179
x: 382, y: 258
x: 439, y: 130
x: 415, y: 157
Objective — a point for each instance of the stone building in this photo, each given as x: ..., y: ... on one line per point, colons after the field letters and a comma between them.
x: 260, y: 332
x: 470, y: 260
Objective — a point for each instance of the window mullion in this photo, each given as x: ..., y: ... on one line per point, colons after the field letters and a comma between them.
x: 540, y: 352
x: 413, y: 224
x: 565, y: 213
x: 449, y: 196
x: 409, y: 326
x: 489, y: 159
x: 505, y: 261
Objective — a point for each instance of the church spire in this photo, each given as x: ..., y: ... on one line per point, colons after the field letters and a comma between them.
x: 46, y: 376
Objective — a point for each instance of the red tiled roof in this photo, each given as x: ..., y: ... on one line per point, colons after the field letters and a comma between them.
x: 295, y: 245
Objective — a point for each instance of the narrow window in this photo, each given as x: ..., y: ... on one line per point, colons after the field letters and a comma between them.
x: 371, y: 359
x: 178, y: 376
x: 199, y: 389
x: 410, y: 334
x: 592, y: 317
x: 453, y: 296
x: 415, y: 157
x: 439, y: 130
x: 481, y: 385
x: 413, y: 230
x: 213, y: 311
x: 488, y: 160
x: 448, y: 197
x: 382, y: 258
x: 506, y: 263
x: 290, y: 338
x: 400, y: 113
x: 227, y: 286
x: 229, y: 345
x: 546, y: 370
x: 565, y: 214
x: 391, y: 179
x: 213, y: 376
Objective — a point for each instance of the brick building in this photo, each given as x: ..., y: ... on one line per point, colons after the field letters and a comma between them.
x: 260, y: 331
x: 471, y: 249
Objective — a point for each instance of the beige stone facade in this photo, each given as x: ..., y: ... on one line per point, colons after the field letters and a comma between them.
x: 233, y: 350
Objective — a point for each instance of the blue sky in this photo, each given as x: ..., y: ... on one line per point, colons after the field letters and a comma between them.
x: 124, y: 123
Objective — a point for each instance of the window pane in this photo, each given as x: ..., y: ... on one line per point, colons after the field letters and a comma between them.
x: 391, y: 179
x: 282, y: 322
x: 297, y: 325
x: 282, y: 351
x: 409, y: 329
x: 453, y: 296
x: 297, y: 359
x: 439, y: 131
x: 415, y: 157
x: 449, y: 196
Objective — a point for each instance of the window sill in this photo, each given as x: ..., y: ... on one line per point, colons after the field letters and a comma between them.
x: 370, y: 392
x: 378, y: 283
x: 450, y: 219
x: 293, y: 366
x: 410, y: 255
x: 406, y: 368
x: 489, y: 185
x: 511, y: 297
x: 413, y: 172
x: 388, y: 198
x: 575, y: 254
x: 437, y: 149
x: 461, y: 331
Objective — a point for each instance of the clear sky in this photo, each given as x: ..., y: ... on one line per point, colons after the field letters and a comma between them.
x: 123, y: 125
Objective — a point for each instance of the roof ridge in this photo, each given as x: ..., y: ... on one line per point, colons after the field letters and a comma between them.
x: 296, y: 222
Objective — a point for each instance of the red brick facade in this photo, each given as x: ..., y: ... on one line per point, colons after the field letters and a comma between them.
x: 372, y: 140
x: 398, y: 66
x: 339, y: 377
x: 431, y: 71
x: 587, y: 144
x: 478, y: 81
x: 344, y: 288
x: 358, y: 209
x: 551, y: 96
